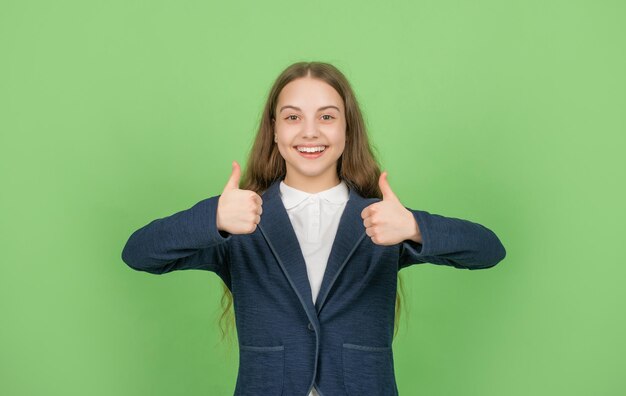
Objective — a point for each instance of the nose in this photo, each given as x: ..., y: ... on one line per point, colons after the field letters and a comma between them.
x: 310, y: 129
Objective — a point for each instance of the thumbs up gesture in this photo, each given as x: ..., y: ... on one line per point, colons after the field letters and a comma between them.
x: 388, y: 222
x: 238, y: 211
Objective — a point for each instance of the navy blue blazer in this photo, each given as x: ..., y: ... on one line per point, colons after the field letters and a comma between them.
x: 287, y: 344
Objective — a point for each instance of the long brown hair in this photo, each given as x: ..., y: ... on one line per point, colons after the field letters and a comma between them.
x: 357, y: 166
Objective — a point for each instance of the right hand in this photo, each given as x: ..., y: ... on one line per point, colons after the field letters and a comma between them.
x: 238, y: 211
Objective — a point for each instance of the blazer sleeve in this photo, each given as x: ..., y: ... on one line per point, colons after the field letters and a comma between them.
x: 450, y: 241
x: 185, y: 240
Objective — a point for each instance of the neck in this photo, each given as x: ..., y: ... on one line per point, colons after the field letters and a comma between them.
x: 312, y: 185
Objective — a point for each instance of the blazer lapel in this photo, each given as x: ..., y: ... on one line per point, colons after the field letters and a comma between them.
x: 350, y: 232
x: 276, y: 228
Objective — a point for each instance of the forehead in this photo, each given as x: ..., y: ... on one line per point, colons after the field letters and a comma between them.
x: 309, y: 93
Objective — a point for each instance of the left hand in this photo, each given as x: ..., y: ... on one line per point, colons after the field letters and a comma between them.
x: 388, y: 222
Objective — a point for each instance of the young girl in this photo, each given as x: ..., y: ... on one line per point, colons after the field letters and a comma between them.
x: 309, y: 245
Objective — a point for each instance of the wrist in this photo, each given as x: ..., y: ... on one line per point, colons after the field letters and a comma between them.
x: 415, y: 233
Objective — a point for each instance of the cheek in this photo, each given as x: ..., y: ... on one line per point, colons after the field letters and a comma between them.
x: 340, y: 139
x: 284, y: 147
x: 342, y: 149
x: 285, y: 133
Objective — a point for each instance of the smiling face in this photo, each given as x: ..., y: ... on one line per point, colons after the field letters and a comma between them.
x: 310, y: 115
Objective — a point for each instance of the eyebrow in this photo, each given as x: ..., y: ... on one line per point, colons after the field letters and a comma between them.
x: 320, y: 109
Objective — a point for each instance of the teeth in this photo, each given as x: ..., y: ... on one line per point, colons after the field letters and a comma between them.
x: 311, y: 149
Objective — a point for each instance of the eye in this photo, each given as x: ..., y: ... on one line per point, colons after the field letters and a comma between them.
x: 327, y: 115
x: 289, y: 117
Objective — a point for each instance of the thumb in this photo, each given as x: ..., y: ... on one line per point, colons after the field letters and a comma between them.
x: 385, y: 188
x: 233, y: 181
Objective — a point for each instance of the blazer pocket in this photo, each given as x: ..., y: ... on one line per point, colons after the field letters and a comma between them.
x: 368, y: 370
x: 261, y: 370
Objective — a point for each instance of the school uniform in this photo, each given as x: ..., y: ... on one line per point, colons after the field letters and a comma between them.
x: 289, y: 340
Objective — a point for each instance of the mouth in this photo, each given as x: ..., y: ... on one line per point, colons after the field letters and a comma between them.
x: 311, y: 152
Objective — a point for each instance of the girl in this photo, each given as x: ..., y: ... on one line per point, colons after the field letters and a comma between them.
x: 309, y: 245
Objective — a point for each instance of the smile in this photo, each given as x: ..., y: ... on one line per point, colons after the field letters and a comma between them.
x: 311, y: 152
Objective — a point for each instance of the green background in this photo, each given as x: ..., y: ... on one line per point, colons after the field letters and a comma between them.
x: 510, y: 114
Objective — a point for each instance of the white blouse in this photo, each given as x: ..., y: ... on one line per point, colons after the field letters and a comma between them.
x: 315, y: 218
